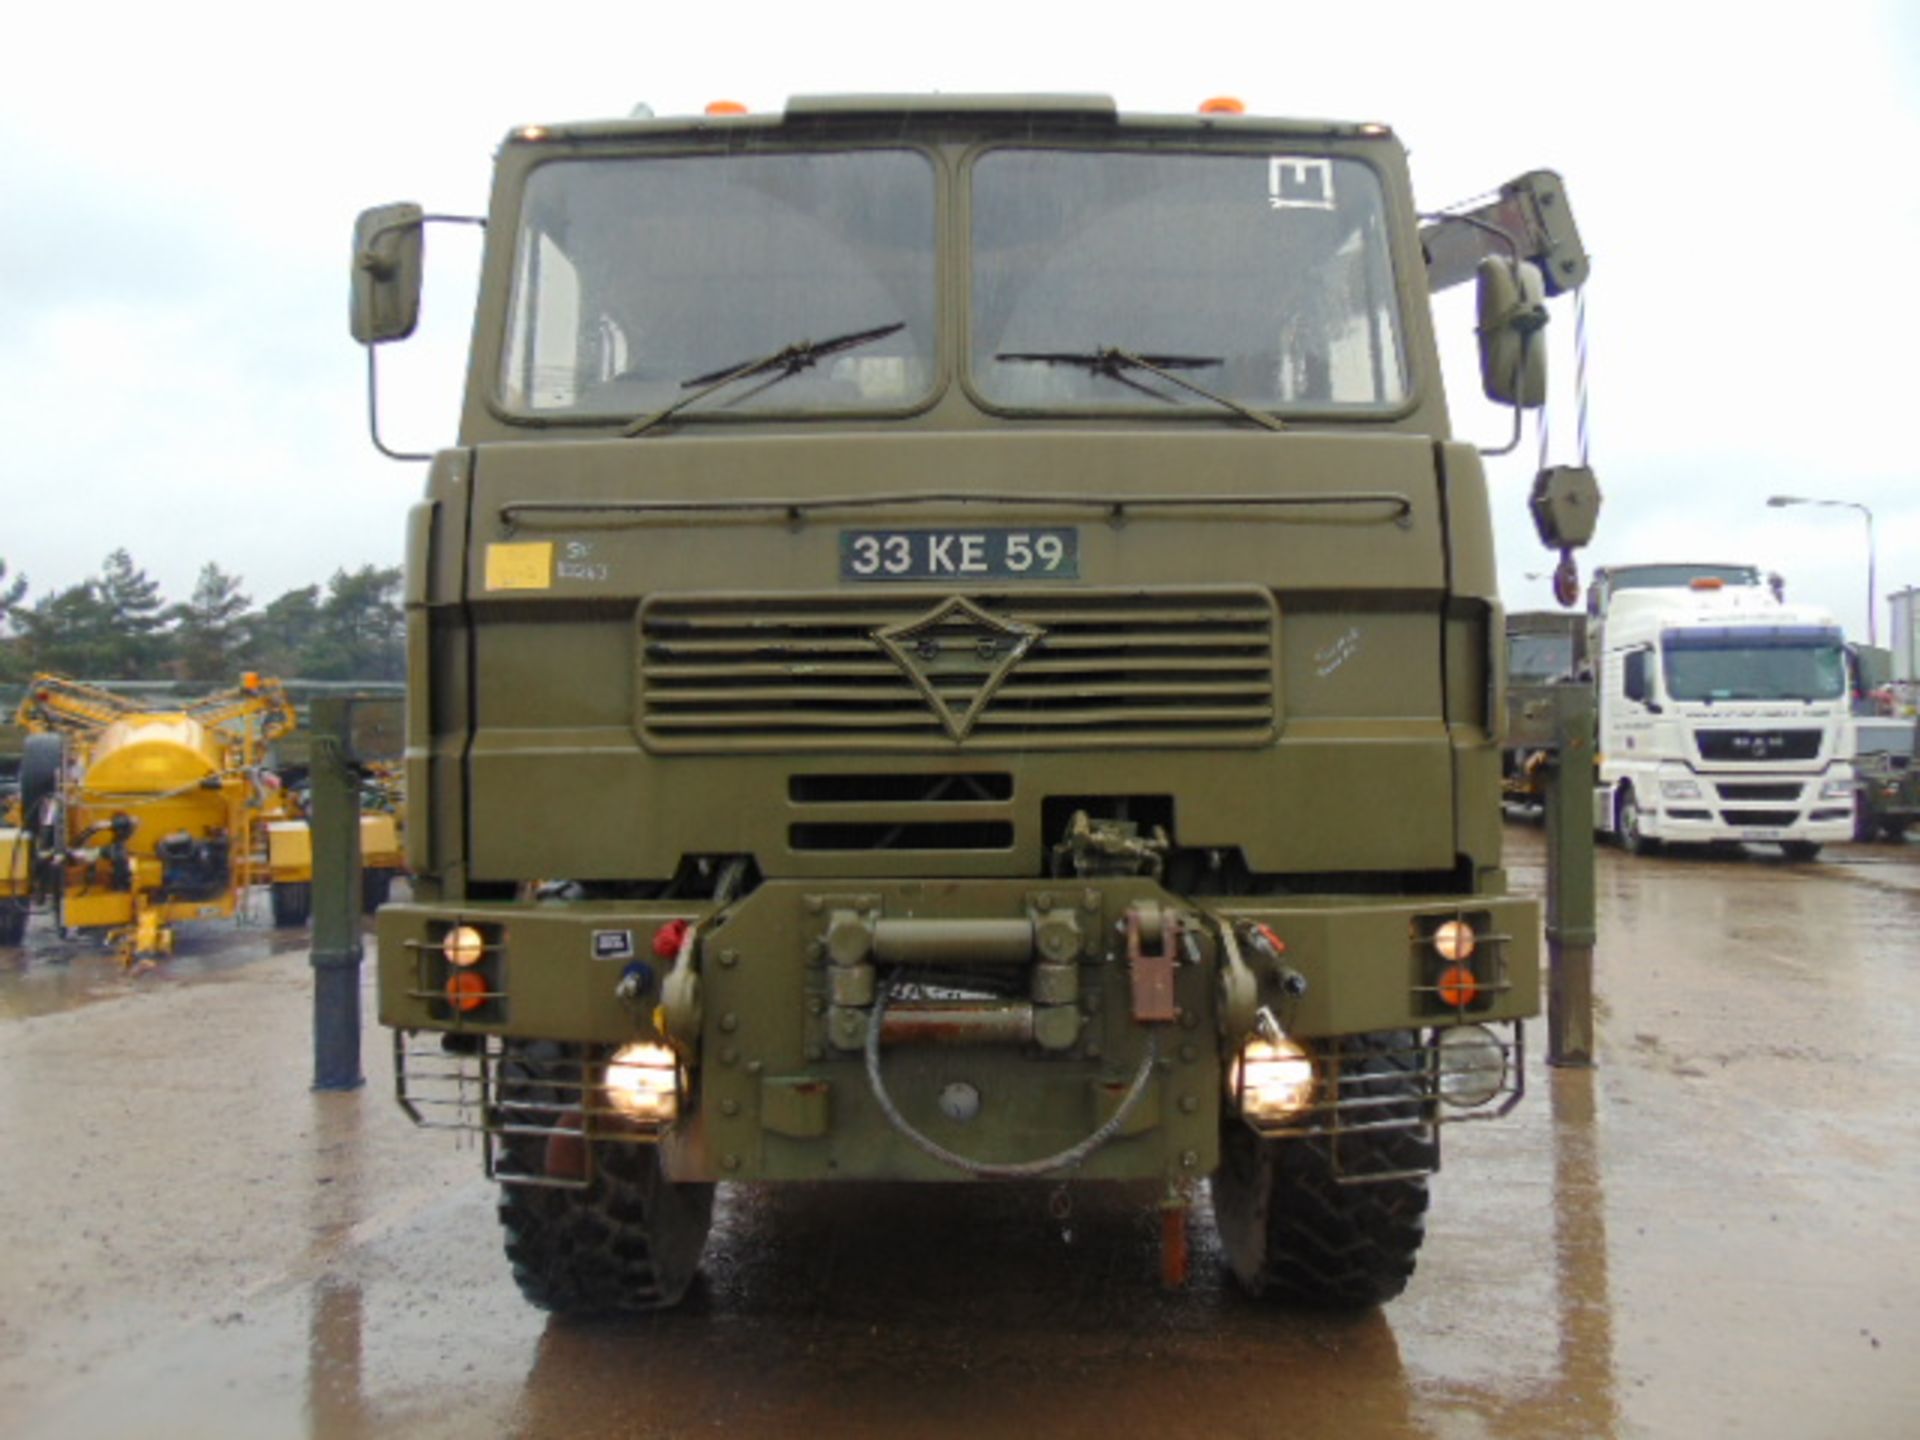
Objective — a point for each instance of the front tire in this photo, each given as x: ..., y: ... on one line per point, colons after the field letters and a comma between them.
x: 1800, y: 851
x: 629, y: 1241
x: 375, y: 887
x: 292, y: 902
x: 1293, y: 1231
x: 13, y: 922
x: 1633, y: 839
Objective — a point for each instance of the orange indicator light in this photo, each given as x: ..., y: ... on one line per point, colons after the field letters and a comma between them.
x: 466, y: 991
x: 1457, y: 987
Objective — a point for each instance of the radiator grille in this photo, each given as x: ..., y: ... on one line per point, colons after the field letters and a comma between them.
x: 1081, y: 669
x: 1758, y: 745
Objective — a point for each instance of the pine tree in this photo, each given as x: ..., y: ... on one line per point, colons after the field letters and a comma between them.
x: 281, y: 637
x: 138, y: 617
x: 71, y: 632
x: 362, y: 628
x: 13, y: 657
x: 10, y: 594
x: 208, y: 629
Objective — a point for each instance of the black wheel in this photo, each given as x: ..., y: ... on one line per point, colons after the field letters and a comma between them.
x: 375, y: 886
x: 13, y: 922
x: 1863, y: 821
x: 1801, y: 850
x: 42, y: 758
x: 1633, y: 839
x: 43, y: 762
x: 1293, y: 1231
x: 628, y: 1241
x: 292, y: 903
x: 1893, y: 831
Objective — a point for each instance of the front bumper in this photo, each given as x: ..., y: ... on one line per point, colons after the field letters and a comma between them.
x: 997, y: 1055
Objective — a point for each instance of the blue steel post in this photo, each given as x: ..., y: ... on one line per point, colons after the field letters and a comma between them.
x: 336, y: 900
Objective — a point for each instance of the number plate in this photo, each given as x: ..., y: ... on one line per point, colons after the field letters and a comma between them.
x: 1756, y: 832
x: 998, y: 553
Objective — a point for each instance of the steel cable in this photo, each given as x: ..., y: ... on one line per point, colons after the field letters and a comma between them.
x: 1016, y: 1170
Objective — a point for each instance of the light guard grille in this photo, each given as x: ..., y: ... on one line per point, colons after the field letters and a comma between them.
x: 1189, y: 666
x: 463, y: 1091
x: 1354, y: 1102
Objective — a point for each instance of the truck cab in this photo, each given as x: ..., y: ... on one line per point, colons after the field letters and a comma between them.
x: 1723, y: 715
x: 956, y: 642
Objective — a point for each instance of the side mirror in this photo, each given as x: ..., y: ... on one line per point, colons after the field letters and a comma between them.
x: 1512, y: 305
x: 386, y: 273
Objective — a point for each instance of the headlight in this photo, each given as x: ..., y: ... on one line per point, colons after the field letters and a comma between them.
x: 463, y: 946
x: 1272, y: 1079
x: 1454, y: 939
x: 642, y: 1082
x: 1836, y: 790
x: 1680, y: 789
x: 1473, y: 1066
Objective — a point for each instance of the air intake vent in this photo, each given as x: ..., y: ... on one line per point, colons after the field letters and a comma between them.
x: 1734, y: 790
x: 1084, y: 669
x: 1770, y: 819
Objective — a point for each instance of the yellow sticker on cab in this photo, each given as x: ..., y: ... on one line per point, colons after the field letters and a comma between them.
x: 521, y: 565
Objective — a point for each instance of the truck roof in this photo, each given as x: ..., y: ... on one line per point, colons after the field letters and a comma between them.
x: 805, y: 111
x: 1724, y: 606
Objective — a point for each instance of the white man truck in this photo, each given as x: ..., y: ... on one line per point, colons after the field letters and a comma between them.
x: 1723, y: 711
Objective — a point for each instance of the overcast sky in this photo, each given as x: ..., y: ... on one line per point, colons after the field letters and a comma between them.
x: 180, y: 183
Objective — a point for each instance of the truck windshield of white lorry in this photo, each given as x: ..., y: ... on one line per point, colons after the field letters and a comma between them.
x: 1776, y: 662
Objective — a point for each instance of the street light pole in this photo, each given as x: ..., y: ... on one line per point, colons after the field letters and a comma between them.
x: 1873, y: 581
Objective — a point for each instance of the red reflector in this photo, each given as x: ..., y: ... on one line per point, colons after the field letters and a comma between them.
x: 668, y: 939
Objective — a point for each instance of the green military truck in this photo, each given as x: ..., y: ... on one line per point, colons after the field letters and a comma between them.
x: 1544, y: 647
x: 1886, y: 781
x: 955, y: 643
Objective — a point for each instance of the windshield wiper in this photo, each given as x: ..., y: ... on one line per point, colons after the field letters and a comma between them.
x: 1112, y: 362
x: 782, y: 364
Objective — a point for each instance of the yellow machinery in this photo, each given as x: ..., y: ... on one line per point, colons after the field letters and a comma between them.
x: 289, y: 859
x: 134, y: 817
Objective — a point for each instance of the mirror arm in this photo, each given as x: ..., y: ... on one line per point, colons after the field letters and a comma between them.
x: 1513, y: 441
x: 1527, y: 337
x: 373, y: 412
x: 369, y: 260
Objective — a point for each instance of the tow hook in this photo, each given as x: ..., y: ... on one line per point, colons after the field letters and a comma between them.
x: 1152, y: 971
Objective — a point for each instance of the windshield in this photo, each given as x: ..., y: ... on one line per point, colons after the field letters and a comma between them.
x: 1883, y: 737
x: 635, y: 277
x: 1787, y: 662
x: 1267, y: 276
x: 1539, y: 657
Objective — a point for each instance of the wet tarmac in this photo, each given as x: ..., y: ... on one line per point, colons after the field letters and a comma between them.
x: 1710, y: 1235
